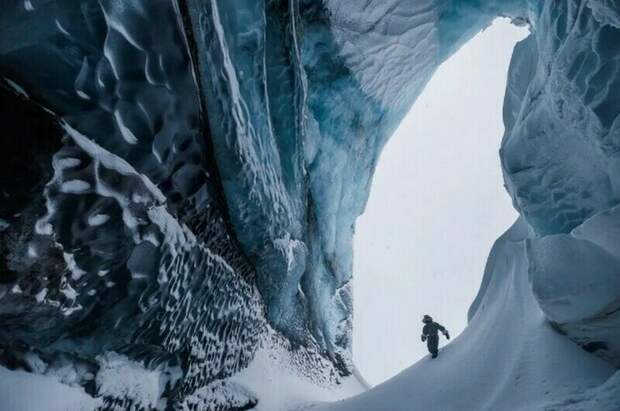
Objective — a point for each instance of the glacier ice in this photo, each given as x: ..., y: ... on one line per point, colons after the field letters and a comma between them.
x: 560, y: 161
x: 198, y: 166
x: 575, y: 280
x: 161, y: 280
x: 565, y: 106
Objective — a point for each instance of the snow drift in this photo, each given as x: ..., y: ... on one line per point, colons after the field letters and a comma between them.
x: 508, y: 358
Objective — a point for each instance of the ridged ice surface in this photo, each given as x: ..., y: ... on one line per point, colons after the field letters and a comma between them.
x: 141, y: 258
x: 186, y: 196
x: 561, y: 160
x: 560, y: 152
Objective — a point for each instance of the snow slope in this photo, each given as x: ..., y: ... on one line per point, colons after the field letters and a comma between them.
x: 508, y: 358
x: 275, y: 379
x: 17, y: 389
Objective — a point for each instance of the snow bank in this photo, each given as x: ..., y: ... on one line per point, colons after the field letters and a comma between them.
x: 279, y: 383
x: 576, y: 283
x: 22, y: 391
x: 509, y: 358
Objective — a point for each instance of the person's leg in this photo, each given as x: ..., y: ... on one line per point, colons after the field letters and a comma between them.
x: 433, y: 345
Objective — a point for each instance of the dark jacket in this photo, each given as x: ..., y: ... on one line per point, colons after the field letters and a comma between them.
x: 432, y: 329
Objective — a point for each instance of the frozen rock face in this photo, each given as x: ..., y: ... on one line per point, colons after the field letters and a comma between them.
x: 200, y: 164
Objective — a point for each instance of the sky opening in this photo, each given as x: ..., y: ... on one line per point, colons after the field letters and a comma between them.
x: 436, y: 206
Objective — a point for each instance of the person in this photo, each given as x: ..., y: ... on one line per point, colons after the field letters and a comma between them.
x: 431, y: 336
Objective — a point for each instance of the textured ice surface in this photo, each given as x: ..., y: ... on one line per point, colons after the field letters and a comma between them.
x: 560, y: 149
x: 199, y: 167
x: 560, y: 156
x: 575, y: 280
x: 121, y: 378
x: 132, y: 237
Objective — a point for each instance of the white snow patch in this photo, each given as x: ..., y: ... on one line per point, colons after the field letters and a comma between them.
x: 22, y: 391
x: 68, y: 291
x: 42, y: 227
x: 120, y: 377
x: 61, y: 28
x: 126, y: 132
x: 83, y: 95
x: 76, y: 272
x: 98, y: 219
x: 40, y: 296
x: 16, y: 87
x: 32, y: 252
x: 279, y: 387
x: 75, y: 187
x: 67, y: 311
x: 64, y: 163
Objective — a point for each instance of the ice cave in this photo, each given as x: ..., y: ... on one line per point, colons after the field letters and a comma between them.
x: 180, y: 182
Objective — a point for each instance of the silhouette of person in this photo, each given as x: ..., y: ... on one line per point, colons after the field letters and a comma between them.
x: 430, y: 334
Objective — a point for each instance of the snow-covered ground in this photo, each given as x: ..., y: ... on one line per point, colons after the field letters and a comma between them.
x: 275, y: 378
x: 279, y: 386
x: 22, y: 391
x: 509, y: 358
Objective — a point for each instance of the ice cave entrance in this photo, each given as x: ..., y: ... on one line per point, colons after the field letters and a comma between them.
x: 437, y: 204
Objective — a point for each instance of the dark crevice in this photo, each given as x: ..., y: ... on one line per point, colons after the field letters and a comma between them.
x: 30, y: 136
x: 593, y: 346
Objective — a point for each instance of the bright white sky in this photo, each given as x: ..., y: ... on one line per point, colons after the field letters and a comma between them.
x: 436, y: 206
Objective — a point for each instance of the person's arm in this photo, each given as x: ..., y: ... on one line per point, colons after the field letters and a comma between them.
x: 443, y: 331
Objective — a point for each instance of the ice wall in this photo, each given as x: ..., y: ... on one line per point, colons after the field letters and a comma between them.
x: 301, y: 117
x: 125, y: 245
x: 561, y: 165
